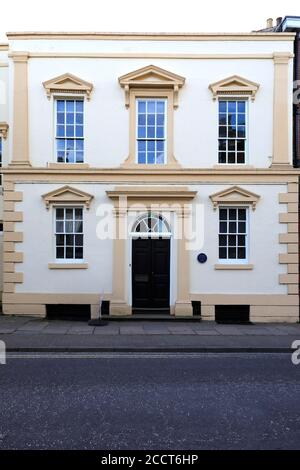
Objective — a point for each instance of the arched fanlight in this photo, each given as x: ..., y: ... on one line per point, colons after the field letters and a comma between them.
x: 151, y: 223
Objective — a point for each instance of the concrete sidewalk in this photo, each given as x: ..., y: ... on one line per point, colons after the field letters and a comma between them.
x: 28, y: 334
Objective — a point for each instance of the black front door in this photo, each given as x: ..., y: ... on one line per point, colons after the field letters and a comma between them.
x: 151, y: 273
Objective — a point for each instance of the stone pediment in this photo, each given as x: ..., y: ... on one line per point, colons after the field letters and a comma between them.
x: 151, y: 77
x: 67, y: 83
x: 234, y: 85
x: 234, y: 195
x: 67, y: 195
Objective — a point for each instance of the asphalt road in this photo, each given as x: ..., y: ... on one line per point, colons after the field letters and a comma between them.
x: 152, y: 401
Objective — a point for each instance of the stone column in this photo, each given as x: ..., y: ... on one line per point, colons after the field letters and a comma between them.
x: 118, y: 305
x: 281, y: 111
x: 183, y: 306
x: 20, y: 154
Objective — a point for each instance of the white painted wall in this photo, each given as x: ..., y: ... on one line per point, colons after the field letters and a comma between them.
x: 195, y: 121
x: 38, y: 246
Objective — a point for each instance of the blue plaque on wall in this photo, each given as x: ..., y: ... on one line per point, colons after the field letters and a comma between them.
x: 202, y: 258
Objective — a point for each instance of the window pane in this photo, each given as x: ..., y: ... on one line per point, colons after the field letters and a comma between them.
x: 60, y: 106
x: 150, y: 106
x: 222, y: 253
x: 232, y: 214
x: 222, y: 240
x: 60, y: 118
x: 79, y: 106
x: 222, y: 131
x: 160, y: 119
x: 78, y: 240
x: 78, y: 252
x: 70, y: 106
x: 241, y: 106
x: 79, y: 157
x: 242, y: 214
x: 241, y: 240
x: 59, y: 252
x: 241, y: 253
x: 242, y: 227
x: 79, y: 131
x: 60, y: 240
x: 240, y: 157
x: 231, y: 106
x: 160, y: 108
x: 69, y: 227
x: 150, y: 132
x: 142, y: 157
x: 69, y: 252
x: 79, y: 118
x: 142, y: 106
x: 232, y: 253
x: 59, y: 213
x: 70, y: 131
x: 151, y: 157
x: 222, y: 106
x: 60, y: 131
x: 232, y: 240
x: 232, y: 227
x: 78, y: 214
x: 141, y: 132
x: 70, y: 118
x: 222, y: 157
x: 241, y: 131
x: 222, y: 119
x: 69, y: 214
x: 142, y: 119
x: 59, y: 227
x: 223, y: 214
x: 160, y: 132
x: 69, y: 240
x: 241, y: 119
x: 78, y: 227
x: 223, y: 227
x: 231, y: 157
x: 151, y: 119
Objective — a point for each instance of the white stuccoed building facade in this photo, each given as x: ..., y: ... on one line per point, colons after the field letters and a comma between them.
x: 117, y: 140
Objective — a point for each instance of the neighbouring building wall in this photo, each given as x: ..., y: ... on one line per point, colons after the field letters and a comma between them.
x: 4, y: 119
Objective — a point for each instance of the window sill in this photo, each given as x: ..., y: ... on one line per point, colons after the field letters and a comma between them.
x: 68, y: 265
x: 234, y: 266
x: 68, y: 166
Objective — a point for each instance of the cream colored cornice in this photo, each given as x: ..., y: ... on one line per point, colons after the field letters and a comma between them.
x: 4, y: 47
x: 151, y: 77
x: 3, y: 129
x: 145, y: 55
x: 184, y: 172
x: 67, y: 83
x: 151, y: 192
x: 261, y: 36
x: 234, y: 195
x: 20, y: 56
x: 234, y: 85
x: 67, y: 195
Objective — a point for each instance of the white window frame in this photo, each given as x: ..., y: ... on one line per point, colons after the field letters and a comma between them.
x: 67, y: 97
x: 247, y: 110
x: 235, y: 260
x: 165, y: 140
x: 67, y: 260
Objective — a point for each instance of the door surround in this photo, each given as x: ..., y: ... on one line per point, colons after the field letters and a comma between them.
x: 139, y: 198
x: 151, y: 225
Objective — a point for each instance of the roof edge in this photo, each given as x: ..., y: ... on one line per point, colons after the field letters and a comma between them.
x: 149, y: 36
